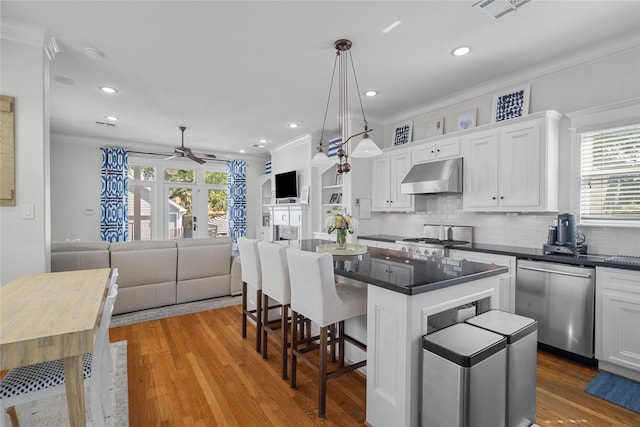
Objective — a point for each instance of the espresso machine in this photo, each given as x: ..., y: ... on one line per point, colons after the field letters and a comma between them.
x: 564, y: 238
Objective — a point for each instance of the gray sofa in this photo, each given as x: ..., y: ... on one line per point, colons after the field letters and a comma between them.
x: 156, y: 273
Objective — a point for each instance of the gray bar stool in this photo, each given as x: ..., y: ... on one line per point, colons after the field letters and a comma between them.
x: 275, y: 286
x: 251, y: 277
x: 315, y: 296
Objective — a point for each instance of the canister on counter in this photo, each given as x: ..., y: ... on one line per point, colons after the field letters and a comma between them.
x: 553, y: 235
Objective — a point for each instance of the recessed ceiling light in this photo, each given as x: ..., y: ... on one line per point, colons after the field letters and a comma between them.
x: 262, y: 140
x: 242, y: 150
x: 293, y: 125
x: 460, y: 51
x: 371, y: 93
x: 112, y: 118
x: 107, y: 89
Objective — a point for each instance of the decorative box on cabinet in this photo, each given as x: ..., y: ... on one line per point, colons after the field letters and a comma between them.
x: 512, y: 166
x: 617, y: 321
x: 507, y: 280
x: 388, y: 171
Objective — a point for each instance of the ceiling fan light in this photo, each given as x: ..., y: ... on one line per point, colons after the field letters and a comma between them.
x: 366, y: 148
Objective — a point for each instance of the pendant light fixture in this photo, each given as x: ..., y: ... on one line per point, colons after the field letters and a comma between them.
x: 366, y: 147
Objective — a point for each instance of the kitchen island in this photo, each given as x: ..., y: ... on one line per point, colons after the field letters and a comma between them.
x: 404, y: 297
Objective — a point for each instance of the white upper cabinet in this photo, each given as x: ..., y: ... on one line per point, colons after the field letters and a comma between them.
x: 388, y: 171
x: 513, y: 167
x: 439, y: 150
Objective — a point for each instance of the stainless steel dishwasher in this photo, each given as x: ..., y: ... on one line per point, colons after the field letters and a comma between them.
x: 561, y: 298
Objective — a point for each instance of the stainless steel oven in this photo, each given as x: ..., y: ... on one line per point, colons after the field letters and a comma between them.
x: 561, y: 298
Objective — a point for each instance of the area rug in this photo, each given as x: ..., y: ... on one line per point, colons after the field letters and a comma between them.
x: 615, y: 389
x: 56, y: 415
x: 173, y: 310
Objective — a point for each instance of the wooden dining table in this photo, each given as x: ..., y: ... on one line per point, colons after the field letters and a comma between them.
x: 53, y: 316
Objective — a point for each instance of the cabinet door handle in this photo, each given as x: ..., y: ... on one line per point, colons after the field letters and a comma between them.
x: 493, y: 198
x: 501, y: 197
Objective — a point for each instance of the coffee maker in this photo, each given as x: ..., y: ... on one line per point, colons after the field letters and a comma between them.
x: 563, y: 240
x: 566, y: 234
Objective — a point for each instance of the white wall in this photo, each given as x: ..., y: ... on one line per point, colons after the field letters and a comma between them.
x: 24, y: 243
x: 75, y: 188
x: 597, y: 83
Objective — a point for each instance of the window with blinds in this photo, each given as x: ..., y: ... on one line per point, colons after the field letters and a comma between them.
x: 610, y: 174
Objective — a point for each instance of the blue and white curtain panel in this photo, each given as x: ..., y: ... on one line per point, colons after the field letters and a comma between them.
x: 237, y: 199
x: 114, y: 225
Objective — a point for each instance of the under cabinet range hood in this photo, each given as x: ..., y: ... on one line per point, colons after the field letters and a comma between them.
x: 444, y: 176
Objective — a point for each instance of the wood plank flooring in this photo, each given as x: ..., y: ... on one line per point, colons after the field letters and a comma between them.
x: 196, y: 370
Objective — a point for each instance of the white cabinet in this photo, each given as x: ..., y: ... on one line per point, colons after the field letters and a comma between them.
x: 388, y: 171
x: 513, y: 167
x: 393, y: 272
x: 507, y: 280
x: 287, y: 223
x: 437, y: 150
x: 617, y: 333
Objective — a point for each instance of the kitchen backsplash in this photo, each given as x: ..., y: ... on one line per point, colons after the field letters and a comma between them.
x: 521, y: 230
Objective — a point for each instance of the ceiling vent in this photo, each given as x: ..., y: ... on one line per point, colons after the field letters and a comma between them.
x: 499, y: 8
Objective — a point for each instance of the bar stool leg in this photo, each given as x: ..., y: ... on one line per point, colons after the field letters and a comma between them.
x: 244, y: 309
x: 258, y: 320
x: 294, y: 347
x: 322, y: 386
x: 285, y: 338
x: 341, y: 342
x: 265, y: 322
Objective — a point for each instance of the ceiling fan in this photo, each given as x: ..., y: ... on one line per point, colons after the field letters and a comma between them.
x: 186, y: 152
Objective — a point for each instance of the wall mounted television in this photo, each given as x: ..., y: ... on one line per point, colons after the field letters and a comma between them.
x: 286, y: 185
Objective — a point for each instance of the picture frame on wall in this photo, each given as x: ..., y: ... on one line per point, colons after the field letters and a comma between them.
x: 511, y: 103
x: 402, y: 133
x: 434, y: 128
x: 304, y: 195
x: 466, y: 119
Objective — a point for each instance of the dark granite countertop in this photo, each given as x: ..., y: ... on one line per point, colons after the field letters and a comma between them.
x: 590, y: 260
x: 426, y: 274
x: 384, y: 237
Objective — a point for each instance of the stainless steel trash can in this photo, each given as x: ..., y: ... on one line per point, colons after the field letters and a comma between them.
x: 521, y: 334
x: 463, y: 377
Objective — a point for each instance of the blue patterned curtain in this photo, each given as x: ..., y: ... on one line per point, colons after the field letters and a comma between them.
x: 113, y: 195
x: 237, y: 199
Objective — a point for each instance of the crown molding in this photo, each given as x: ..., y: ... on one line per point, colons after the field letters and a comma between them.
x: 298, y: 141
x: 628, y: 42
x: 23, y: 33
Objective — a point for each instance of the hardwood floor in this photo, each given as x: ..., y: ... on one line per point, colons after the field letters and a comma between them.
x: 196, y: 370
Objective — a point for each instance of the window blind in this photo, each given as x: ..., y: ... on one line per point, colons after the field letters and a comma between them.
x: 610, y: 174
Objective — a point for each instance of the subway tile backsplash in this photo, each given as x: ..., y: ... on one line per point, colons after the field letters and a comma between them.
x: 521, y: 230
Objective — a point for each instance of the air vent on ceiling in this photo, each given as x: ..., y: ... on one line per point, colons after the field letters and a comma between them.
x: 499, y: 8
x: 106, y: 124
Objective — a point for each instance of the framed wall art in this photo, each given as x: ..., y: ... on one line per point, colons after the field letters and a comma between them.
x: 511, y: 103
x: 402, y: 133
x: 466, y: 119
x: 434, y: 128
x: 304, y: 196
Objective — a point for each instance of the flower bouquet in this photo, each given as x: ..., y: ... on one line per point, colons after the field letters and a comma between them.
x: 342, y: 223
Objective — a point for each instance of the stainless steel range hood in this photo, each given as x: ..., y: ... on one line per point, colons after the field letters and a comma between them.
x: 444, y: 176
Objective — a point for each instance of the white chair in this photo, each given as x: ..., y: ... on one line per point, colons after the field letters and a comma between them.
x: 315, y: 296
x: 275, y: 286
x: 251, y: 277
x: 23, y: 386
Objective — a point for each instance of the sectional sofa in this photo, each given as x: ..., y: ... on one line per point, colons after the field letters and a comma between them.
x: 156, y: 273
